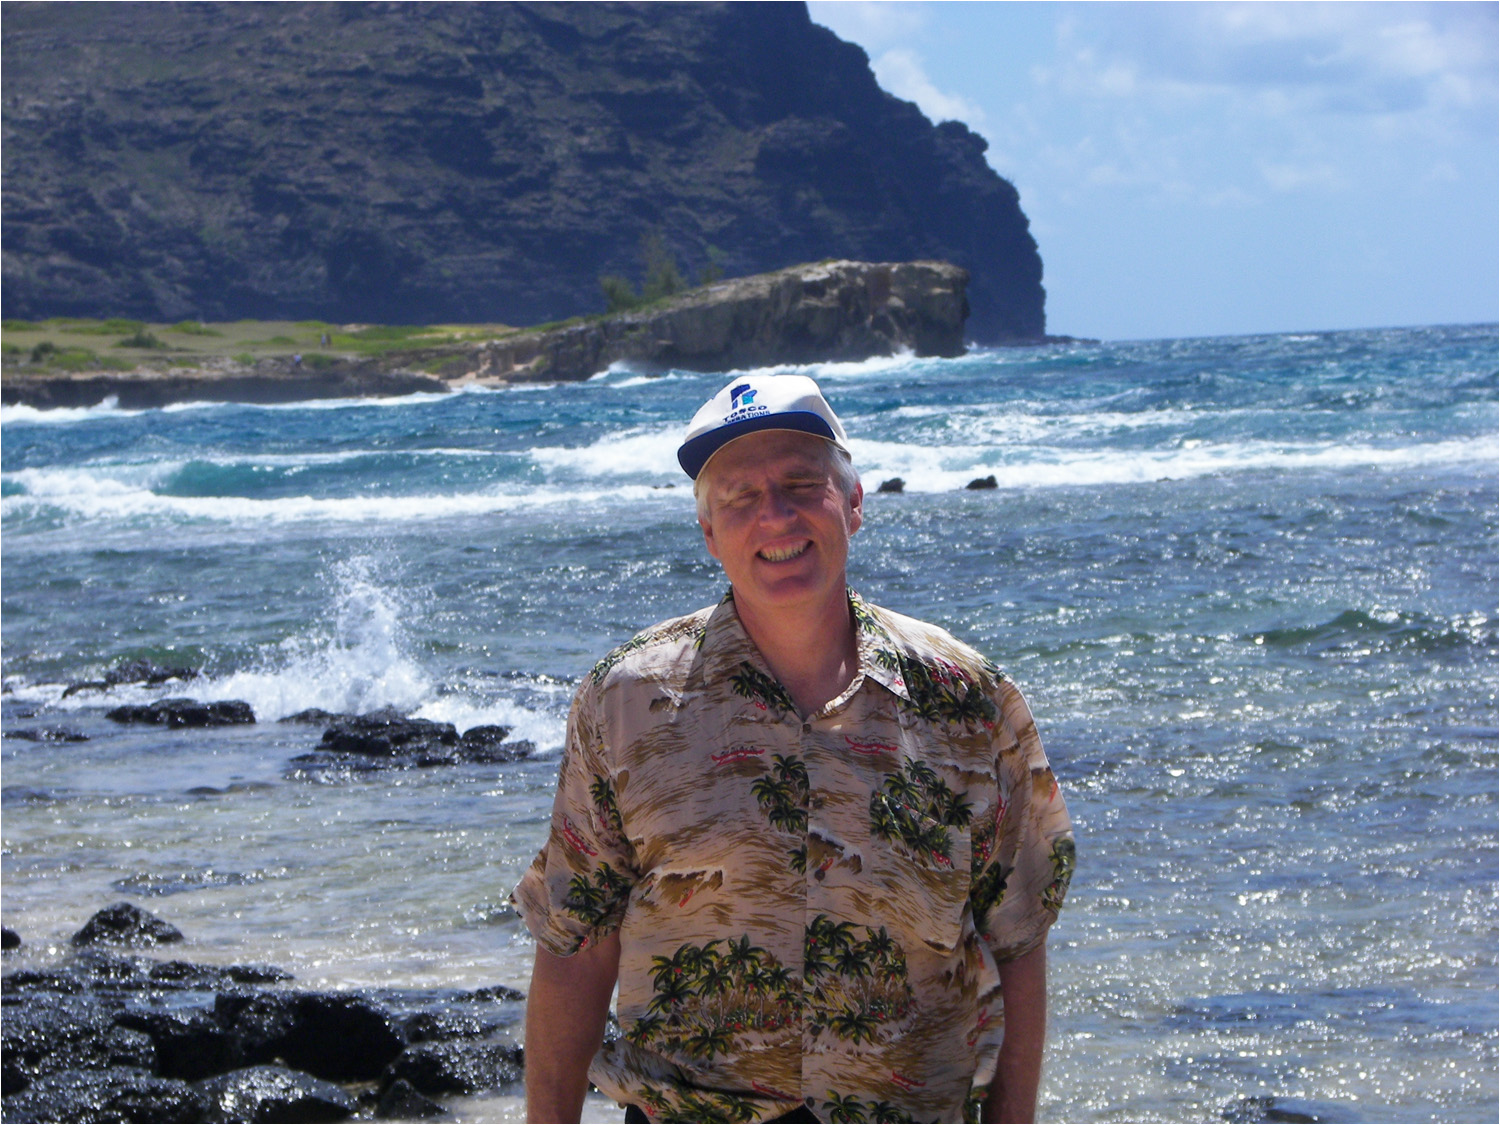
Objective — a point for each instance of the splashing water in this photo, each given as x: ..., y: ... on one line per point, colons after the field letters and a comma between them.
x: 356, y: 662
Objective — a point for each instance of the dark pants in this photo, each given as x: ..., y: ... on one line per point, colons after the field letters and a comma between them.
x: 634, y: 1116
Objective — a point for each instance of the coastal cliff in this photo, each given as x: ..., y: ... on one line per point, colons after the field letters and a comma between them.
x: 838, y: 310
x: 406, y: 163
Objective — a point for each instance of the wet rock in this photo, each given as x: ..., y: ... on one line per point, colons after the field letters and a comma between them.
x: 185, y: 713
x: 189, y: 1045
x: 272, y: 1093
x: 316, y: 716
x: 339, y: 1037
x: 126, y: 924
x: 979, y: 483
x: 1270, y: 1108
x: 41, y: 1036
x: 895, y: 484
x: 457, y: 1067
x: 499, y: 752
x: 146, y: 672
x: 429, y: 1026
x: 114, y: 1094
x: 385, y: 734
x: 48, y: 734
x: 9, y: 939
x: 401, y: 1101
x: 493, y: 993
x: 387, y: 740
x: 99, y: 971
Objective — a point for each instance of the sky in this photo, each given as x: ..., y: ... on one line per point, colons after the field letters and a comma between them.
x: 1208, y: 169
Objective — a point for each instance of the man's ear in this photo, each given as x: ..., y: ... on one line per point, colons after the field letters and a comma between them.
x: 708, y: 536
x: 856, y: 508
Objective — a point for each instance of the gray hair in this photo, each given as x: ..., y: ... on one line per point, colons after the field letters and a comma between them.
x: 839, y: 463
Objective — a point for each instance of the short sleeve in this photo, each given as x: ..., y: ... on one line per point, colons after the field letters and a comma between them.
x: 575, y: 892
x: 1023, y: 860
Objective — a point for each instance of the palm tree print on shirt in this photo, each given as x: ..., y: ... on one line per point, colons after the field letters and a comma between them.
x: 846, y: 1107
x: 782, y: 796
x: 694, y: 1105
x: 599, y: 900
x: 917, y: 808
x: 705, y: 998
x: 859, y: 988
x: 760, y: 689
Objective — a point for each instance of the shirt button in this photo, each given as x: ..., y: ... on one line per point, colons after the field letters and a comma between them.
x: 807, y: 728
x: 818, y: 874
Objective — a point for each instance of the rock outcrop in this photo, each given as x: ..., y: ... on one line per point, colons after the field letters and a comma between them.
x: 407, y: 163
x: 823, y: 311
x: 104, y: 1036
x: 836, y: 310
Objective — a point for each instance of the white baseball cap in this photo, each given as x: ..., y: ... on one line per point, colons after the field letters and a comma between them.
x: 758, y: 402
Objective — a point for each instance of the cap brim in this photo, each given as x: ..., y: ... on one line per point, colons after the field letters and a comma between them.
x: 694, y: 454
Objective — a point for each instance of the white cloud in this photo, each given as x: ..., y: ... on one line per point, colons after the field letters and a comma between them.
x: 1295, y: 58
x: 903, y: 73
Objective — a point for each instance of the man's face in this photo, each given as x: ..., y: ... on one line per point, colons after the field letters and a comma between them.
x: 778, y: 521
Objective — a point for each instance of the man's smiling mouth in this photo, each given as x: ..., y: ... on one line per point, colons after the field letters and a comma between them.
x: 785, y: 553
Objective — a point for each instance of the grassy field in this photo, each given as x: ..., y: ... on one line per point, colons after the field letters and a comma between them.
x: 81, y: 344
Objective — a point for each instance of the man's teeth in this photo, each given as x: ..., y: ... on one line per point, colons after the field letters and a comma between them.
x: 782, y: 555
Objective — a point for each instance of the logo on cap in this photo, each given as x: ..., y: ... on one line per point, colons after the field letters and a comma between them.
x: 742, y: 396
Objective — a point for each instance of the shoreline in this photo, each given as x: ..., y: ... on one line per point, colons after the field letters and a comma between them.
x: 818, y: 312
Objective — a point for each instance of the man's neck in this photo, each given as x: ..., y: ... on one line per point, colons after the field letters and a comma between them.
x: 811, y: 650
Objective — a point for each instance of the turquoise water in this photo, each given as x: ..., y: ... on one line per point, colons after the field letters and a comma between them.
x: 1249, y: 585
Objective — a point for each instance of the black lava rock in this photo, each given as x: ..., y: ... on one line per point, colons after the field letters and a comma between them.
x: 336, y: 1036
x: 1269, y: 1108
x: 126, y: 924
x: 457, y: 1067
x: 316, y: 716
x: 273, y: 1093
x: 401, y: 1101
x: 112, y: 1094
x: 979, y: 483
x: 190, y: 1044
x: 133, y: 672
x: 48, y: 734
x: 895, y: 484
x: 45, y: 1035
x: 185, y: 713
x: 385, y: 734
x: 9, y: 939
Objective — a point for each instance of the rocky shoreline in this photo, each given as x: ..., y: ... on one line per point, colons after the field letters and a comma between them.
x: 837, y: 310
x: 113, y: 1034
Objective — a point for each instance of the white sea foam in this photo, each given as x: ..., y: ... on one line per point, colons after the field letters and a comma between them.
x: 646, y: 450
x: 940, y: 469
x: 63, y: 415
x: 846, y: 369
x: 94, y: 496
x: 356, y: 660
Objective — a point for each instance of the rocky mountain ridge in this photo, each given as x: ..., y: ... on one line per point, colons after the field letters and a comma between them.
x: 425, y: 163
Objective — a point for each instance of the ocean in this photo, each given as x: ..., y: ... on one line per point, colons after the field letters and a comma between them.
x: 1249, y: 586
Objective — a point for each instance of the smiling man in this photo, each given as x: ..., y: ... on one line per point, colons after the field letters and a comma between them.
x: 816, y: 843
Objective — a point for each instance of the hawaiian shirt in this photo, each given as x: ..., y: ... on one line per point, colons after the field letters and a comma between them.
x: 810, y: 910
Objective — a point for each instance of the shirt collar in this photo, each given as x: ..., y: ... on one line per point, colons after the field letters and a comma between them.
x: 725, y: 639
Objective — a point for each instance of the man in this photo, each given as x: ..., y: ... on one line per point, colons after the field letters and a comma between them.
x: 817, y: 843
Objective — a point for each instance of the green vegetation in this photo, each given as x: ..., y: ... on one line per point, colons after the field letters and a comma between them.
x: 70, y: 344
x: 660, y: 277
x: 141, y: 339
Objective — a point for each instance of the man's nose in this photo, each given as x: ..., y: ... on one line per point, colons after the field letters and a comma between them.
x: 776, y: 504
